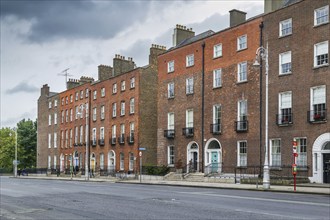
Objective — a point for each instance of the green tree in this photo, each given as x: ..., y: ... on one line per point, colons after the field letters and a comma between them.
x: 7, y: 148
x: 27, y: 143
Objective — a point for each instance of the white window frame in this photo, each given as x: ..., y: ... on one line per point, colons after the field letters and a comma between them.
x: 94, y: 94
x: 324, y: 51
x: 242, y: 110
x: 217, y: 113
x: 70, y: 138
x: 324, y: 15
x: 76, y: 135
x: 170, y: 156
x: 132, y: 82
x: 66, y: 115
x: 49, y: 140
x: 217, y: 50
x: 77, y: 96
x: 81, y: 137
x: 49, y: 161
x: 317, y: 100
x: 130, y: 161
x: 102, y: 133
x: 55, y: 118
x: 66, y: 138
x: 114, y: 88
x: 114, y: 109
x: 285, y: 62
x: 101, y: 161
x: 242, y: 42
x: 55, y: 140
x: 131, y: 106
x: 94, y: 113
x: 241, y: 157
x: 285, y: 27
x: 123, y: 85
x: 50, y: 104
x: 55, y: 103
x: 81, y: 94
x: 190, y: 86
x: 170, y: 121
x: 131, y: 128
x: 71, y: 114
x: 113, y: 131
x: 103, y: 92
x: 71, y: 98
x: 189, y: 118
x: 122, y: 108
x: 282, y: 105
x: 217, y: 78
x: 94, y: 134
x: 275, y: 157
x: 55, y: 161
x: 86, y: 92
x: 170, y: 90
x: 102, y: 112
x: 302, y: 152
x: 170, y: 66
x: 190, y: 60
x: 49, y: 119
x: 121, y: 161
x: 242, y: 72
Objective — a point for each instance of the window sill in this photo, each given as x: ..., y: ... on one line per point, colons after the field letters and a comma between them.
x: 321, y: 66
x: 170, y: 165
x: 283, y: 36
x: 131, y: 113
x: 214, y: 58
x: 190, y: 66
x: 285, y: 74
x: 275, y: 168
x: 132, y: 88
x: 241, y: 82
x: 239, y: 50
x: 318, y: 25
x: 189, y: 93
x: 169, y: 72
x: 170, y: 97
x: 218, y: 87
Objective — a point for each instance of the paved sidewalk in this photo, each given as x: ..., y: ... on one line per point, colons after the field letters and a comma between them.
x: 300, y: 188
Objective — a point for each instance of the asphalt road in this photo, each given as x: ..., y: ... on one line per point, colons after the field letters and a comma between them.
x: 55, y: 199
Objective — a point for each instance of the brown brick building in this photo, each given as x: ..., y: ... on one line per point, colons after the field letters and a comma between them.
x: 120, y: 106
x: 231, y: 98
x: 299, y: 79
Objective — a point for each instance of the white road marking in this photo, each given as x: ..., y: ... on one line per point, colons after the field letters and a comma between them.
x: 259, y: 199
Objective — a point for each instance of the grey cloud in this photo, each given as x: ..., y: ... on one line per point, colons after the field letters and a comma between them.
x: 75, y: 19
x: 22, y: 87
x: 139, y: 51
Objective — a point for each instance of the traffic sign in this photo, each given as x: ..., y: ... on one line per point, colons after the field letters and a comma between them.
x: 16, y: 162
x: 142, y: 148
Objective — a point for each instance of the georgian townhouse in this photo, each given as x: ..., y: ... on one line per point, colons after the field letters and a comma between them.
x: 208, y: 98
x: 48, y: 122
x: 298, y: 38
x: 111, y: 117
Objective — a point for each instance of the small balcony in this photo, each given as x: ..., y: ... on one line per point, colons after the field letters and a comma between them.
x: 121, y: 139
x: 130, y: 139
x: 188, y: 132
x: 241, y: 126
x: 93, y: 143
x: 317, y: 116
x: 112, y: 141
x: 170, y: 134
x: 284, y: 119
x: 215, y: 128
x: 101, y: 142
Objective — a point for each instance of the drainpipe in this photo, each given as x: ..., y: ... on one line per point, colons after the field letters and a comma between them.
x: 203, y: 67
x: 260, y: 103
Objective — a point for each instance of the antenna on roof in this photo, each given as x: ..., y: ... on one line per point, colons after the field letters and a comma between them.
x: 66, y: 74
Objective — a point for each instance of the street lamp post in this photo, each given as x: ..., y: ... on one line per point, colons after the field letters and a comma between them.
x: 262, y: 53
x: 15, y: 161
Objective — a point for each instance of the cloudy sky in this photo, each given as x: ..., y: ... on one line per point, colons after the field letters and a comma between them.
x: 41, y: 38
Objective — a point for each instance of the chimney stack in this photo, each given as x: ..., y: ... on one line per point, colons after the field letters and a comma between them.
x: 105, y: 72
x: 237, y: 17
x: 45, y: 90
x: 72, y: 83
x: 155, y: 50
x: 121, y: 65
x: 181, y: 33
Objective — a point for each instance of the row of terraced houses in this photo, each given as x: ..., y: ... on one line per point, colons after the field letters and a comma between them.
x: 200, y: 105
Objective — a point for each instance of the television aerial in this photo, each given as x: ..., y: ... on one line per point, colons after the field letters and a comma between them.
x: 66, y: 74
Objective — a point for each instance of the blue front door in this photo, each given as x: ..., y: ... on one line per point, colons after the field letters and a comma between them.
x: 214, y: 162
